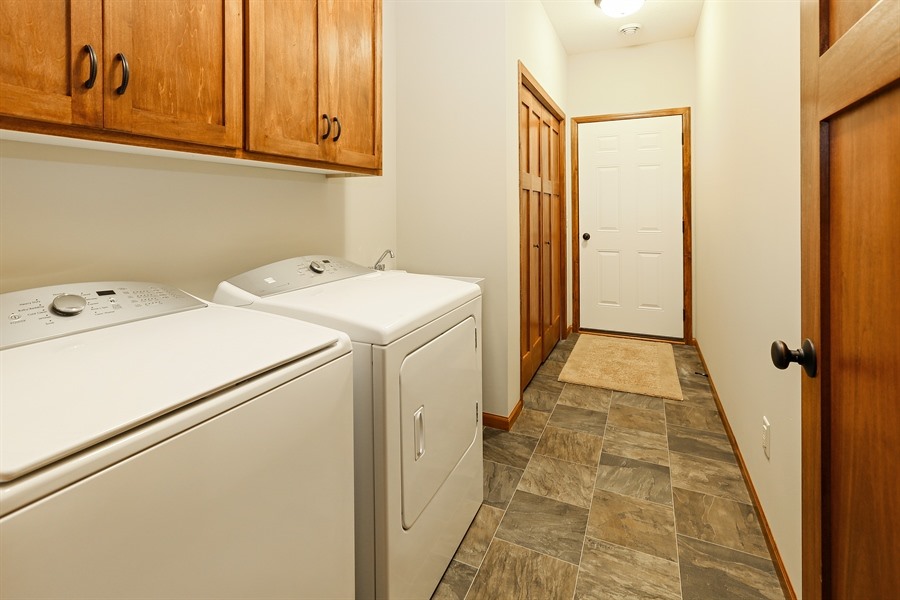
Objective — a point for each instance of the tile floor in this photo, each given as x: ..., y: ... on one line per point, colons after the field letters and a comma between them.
x: 601, y: 494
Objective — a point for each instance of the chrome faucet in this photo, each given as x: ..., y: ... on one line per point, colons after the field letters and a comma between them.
x: 379, y: 264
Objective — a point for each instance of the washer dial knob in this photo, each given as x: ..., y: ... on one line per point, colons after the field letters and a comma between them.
x: 316, y: 267
x: 68, y: 305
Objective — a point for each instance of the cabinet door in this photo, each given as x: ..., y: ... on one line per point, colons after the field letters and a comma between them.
x: 43, y: 61
x: 184, y: 58
x: 350, y: 78
x: 282, y: 80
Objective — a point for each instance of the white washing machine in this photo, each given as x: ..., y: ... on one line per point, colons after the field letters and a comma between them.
x: 155, y: 446
x: 417, y: 398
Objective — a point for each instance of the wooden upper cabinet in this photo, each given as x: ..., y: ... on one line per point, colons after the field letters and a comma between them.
x: 282, y: 79
x: 44, y: 63
x: 314, y: 80
x: 184, y: 60
x: 184, y: 69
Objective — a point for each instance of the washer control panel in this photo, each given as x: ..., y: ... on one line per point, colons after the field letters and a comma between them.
x: 296, y: 273
x: 39, y: 314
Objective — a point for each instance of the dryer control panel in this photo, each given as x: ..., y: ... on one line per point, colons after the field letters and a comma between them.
x: 43, y: 313
x: 296, y: 273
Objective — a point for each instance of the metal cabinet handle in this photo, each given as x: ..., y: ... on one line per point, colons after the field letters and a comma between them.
x: 92, y: 77
x: 328, y: 124
x: 126, y: 74
x: 782, y: 356
x: 338, y: 134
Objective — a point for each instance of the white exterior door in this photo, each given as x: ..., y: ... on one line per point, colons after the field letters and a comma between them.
x: 630, y: 211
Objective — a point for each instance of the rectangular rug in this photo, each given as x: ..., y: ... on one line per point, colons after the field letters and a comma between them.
x: 634, y: 366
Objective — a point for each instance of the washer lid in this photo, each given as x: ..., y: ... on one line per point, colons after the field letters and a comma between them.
x: 376, y: 308
x: 68, y: 393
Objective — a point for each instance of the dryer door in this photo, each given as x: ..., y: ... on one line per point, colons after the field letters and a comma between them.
x: 440, y: 387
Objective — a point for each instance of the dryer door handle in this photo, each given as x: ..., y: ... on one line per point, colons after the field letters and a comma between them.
x: 419, y: 431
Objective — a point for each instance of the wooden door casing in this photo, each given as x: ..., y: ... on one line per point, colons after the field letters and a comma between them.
x: 44, y: 64
x: 541, y: 225
x: 185, y: 60
x: 687, y: 257
x: 850, y: 151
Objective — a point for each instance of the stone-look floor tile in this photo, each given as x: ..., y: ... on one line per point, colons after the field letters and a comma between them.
x: 708, y: 476
x: 639, y: 445
x: 579, y: 419
x: 711, y: 572
x: 455, y: 583
x: 512, y: 572
x: 471, y: 550
x: 720, y: 521
x: 694, y: 417
x: 715, y: 446
x: 560, y: 480
x: 542, y: 393
x: 530, y: 422
x: 633, y: 523
x: 500, y: 483
x: 637, y: 401
x: 551, y: 368
x: 583, y: 396
x: 699, y: 394
x: 635, y: 478
x: 561, y: 352
x: 508, y: 448
x: 545, y: 525
x: 573, y: 446
x: 610, y: 572
x: 652, y: 421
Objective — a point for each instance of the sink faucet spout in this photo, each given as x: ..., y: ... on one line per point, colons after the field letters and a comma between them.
x: 379, y: 264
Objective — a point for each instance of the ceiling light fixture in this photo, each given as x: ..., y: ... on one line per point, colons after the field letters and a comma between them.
x: 619, y: 8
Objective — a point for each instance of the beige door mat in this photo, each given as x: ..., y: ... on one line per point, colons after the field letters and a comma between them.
x: 625, y: 365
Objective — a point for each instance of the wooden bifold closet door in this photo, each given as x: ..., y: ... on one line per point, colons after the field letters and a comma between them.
x: 541, y: 227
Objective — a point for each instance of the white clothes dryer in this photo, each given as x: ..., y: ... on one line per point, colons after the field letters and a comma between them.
x: 417, y: 382
x: 156, y: 446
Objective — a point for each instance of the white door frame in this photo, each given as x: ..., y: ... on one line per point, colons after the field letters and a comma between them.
x: 685, y: 114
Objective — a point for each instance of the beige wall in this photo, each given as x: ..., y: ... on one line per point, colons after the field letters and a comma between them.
x: 633, y: 79
x: 457, y: 193
x: 73, y: 214
x: 747, y: 239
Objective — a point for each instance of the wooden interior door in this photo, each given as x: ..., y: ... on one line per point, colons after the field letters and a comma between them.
x: 530, y: 235
x: 185, y: 62
x: 551, y: 232
x: 850, y: 128
x: 541, y: 225
x: 44, y: 64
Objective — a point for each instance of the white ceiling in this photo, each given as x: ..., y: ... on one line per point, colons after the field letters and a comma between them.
x: 583, y: 28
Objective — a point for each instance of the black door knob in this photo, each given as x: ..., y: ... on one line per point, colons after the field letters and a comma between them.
x: 782, y: 356
x: 585, y: 236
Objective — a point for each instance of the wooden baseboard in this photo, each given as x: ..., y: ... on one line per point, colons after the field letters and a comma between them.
x: 504, y: 423
x: 780, y: 569
x: 632, y: 336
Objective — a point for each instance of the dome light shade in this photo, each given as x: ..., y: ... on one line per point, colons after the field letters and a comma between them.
x: 619, y: 8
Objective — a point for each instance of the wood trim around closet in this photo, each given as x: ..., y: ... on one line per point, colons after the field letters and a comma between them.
x: 685, y: 114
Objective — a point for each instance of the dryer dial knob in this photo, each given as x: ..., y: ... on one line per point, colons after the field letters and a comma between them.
x: 316, y: 267
x: 68, y: 305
